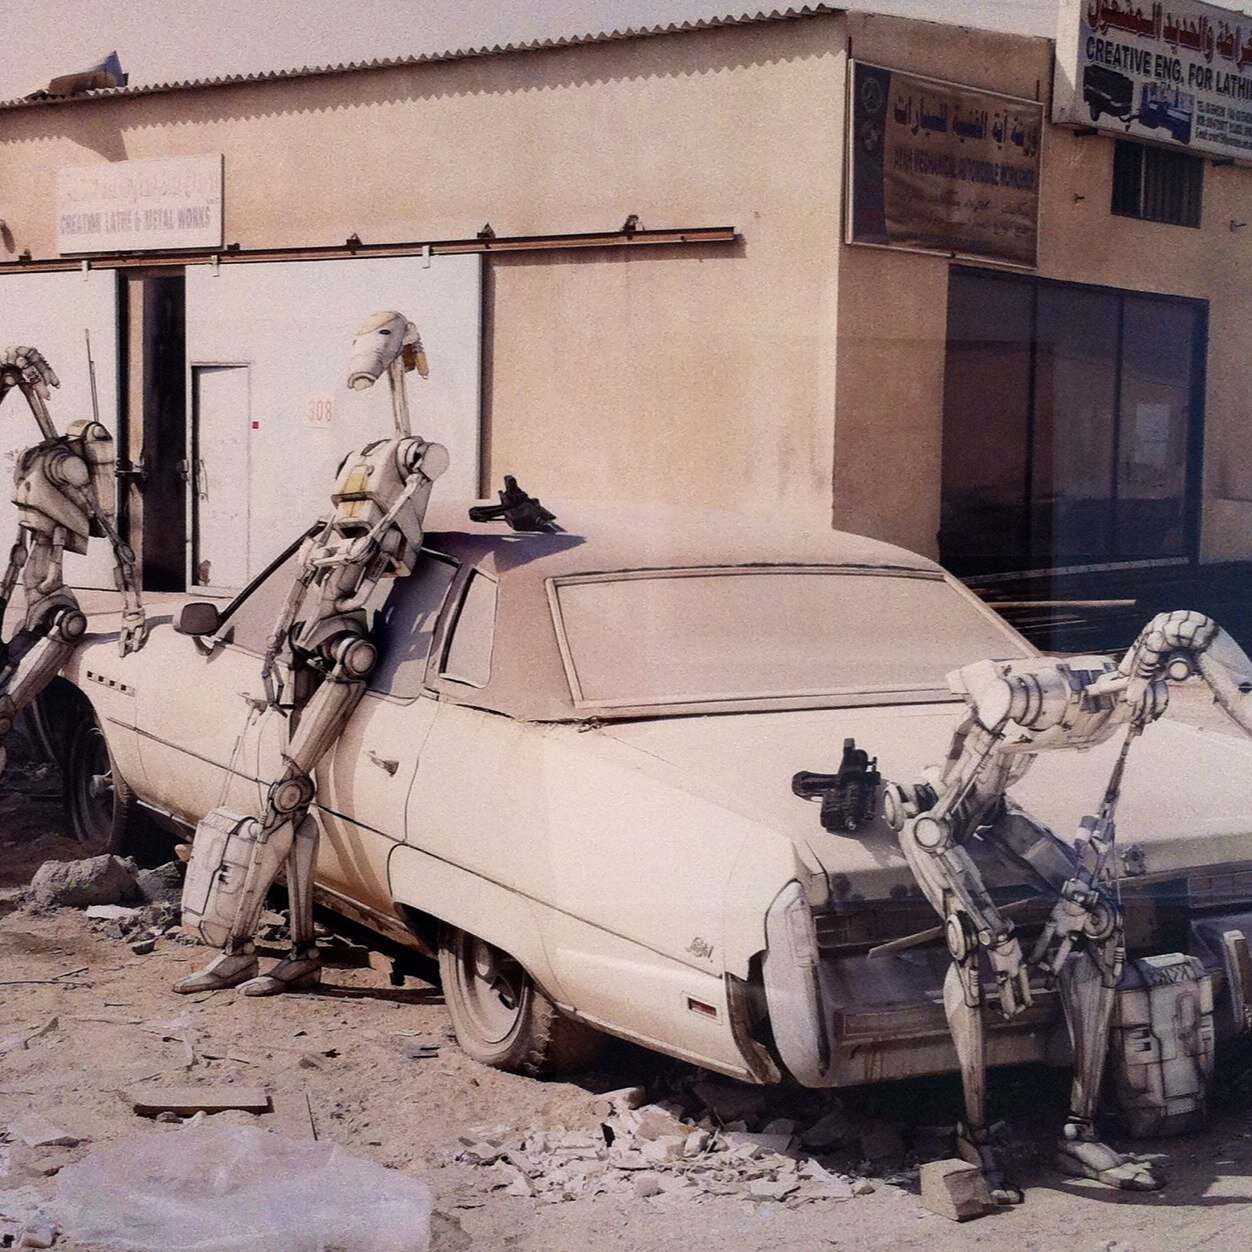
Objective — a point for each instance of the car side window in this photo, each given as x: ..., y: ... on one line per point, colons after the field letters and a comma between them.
x: 248, y: 621
x: 405, y: 625
x: 467, y: 658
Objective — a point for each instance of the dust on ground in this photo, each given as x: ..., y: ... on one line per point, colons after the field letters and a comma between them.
x: 102, y: 1018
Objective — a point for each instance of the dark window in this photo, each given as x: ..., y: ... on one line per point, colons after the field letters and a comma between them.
x: 1072, y: 419
x: 1156, y: 184
x: 405, y: 626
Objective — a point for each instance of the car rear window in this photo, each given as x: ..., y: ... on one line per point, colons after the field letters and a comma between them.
x: 708, y: 636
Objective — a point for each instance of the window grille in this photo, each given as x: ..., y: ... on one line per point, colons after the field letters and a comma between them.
x: 1156, y: 184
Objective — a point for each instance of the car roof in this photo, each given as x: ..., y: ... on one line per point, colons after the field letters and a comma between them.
x: 608, y: 536
x: 528, y: 678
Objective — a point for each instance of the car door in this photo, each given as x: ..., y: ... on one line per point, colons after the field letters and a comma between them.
x: 365, y: 782
x: 200, y: 707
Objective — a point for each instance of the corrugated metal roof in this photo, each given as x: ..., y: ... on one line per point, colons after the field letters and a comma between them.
x: 426, y: 58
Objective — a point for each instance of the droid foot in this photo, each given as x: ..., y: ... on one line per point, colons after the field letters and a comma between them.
x: 1081, y: 1155
x: 297, y: 972
x: 977, y: 1150
x: 228, y: 969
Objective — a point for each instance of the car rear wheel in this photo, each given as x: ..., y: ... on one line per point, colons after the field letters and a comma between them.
x: 501, y: 1018
x: 100, y: 805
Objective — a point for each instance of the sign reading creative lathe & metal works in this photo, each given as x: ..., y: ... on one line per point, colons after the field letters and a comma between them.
x: 138, y: 206
x: 1176, y: 71
x: 943, y: 168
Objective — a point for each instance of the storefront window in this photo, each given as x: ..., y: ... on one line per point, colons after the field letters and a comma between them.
x: 1071, y: 422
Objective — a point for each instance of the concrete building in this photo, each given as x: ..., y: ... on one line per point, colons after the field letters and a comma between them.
x: 665, y: 306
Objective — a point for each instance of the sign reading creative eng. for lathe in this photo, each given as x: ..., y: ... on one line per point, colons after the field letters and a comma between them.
x: 140, y: 206
x: 1177, y: 71
x: 939, y: 167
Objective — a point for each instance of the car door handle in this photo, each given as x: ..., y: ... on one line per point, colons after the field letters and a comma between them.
x: 382, y: 762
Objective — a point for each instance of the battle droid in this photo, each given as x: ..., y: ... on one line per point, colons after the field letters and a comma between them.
x: 1015, y: 711
x: 65, y: 492
x: 318, y: 660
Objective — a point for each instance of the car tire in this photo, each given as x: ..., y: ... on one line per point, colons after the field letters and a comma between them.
x: 100, y: 806
x: 500, y: 1016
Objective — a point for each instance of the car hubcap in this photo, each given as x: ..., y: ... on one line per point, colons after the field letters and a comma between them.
x: 491, y: 986
x: 94, y: 787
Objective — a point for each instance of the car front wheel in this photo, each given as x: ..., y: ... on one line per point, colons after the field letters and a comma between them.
x: 501, y: 1018
x: 100, y: 804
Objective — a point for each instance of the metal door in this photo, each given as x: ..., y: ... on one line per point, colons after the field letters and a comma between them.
x: 221, y: 466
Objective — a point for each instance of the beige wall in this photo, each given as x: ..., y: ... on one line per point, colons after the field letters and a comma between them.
x: 698, y: 374
x: 893, y: 305
x: 789, y: 373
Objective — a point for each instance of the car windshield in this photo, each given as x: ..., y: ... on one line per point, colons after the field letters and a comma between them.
x: 712, y: 636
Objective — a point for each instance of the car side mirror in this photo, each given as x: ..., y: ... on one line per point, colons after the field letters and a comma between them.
x: 198, y: 618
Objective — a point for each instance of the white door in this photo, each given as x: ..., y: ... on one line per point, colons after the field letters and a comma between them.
x: 220, y: 437
x: 52, y: 312
x: 292, y: 323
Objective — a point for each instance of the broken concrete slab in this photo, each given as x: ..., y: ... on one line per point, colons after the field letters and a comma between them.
x: 104, y: 879
x: 623, y: 1098
x: 150, y: 1099
x: 38, y: 1132
x: 955, y: 1189
x: 39, y: 1235
x: 110, y: 913
x: 162, y: 885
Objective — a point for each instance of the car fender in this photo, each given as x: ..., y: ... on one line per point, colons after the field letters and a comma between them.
x: 472, y: 903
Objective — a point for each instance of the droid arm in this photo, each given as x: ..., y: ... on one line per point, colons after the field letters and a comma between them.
x: 134, y: 632
x: 28, y: 370
x: 1174, y: 646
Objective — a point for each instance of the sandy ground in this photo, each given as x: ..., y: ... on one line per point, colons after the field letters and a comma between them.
x: 114, y: 1022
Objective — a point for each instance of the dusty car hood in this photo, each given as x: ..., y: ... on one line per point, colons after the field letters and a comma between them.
x: 1186, y: 797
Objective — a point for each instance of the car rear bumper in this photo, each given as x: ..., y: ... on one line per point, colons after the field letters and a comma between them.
x: 842, y: 1019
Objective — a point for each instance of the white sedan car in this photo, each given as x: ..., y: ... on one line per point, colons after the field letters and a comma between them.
x: 572, y: 780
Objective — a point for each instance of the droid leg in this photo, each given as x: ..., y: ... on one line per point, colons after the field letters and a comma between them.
x: 950, y: 880
x: 38, y: 665
x: 302, y: 966
x: 963, y: 1004
x: 285, y: 834
x: 1088, y: 992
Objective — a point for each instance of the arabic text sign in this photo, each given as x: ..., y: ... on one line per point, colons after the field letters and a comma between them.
x: 1176, y: 71
x: 942, y: 167
x: 135, y: 206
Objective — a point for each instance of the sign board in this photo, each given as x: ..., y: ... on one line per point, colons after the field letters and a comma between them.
x: 943, y: 168
x: 137, y: 206
x: 1179, y: 72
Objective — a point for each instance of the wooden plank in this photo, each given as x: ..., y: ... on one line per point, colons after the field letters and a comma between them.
x: 154, y: 1098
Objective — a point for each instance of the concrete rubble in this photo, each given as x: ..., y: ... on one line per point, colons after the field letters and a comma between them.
x: 78, y: 884
x: 127, y: 903
x: 670, y: 1148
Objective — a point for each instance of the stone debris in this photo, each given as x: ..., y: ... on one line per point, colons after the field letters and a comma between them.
x: 610, y: 1102
x: 955, y: 1189
x: 38, y: 1132
x: 23, y: 1221
x: 162, y: 885
x: 654, y: 1150
x: 104, y: 879
x: 110, y: 913
x: 153, y: 1099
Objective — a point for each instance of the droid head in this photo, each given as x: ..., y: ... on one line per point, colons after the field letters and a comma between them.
x: 380, y: 340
